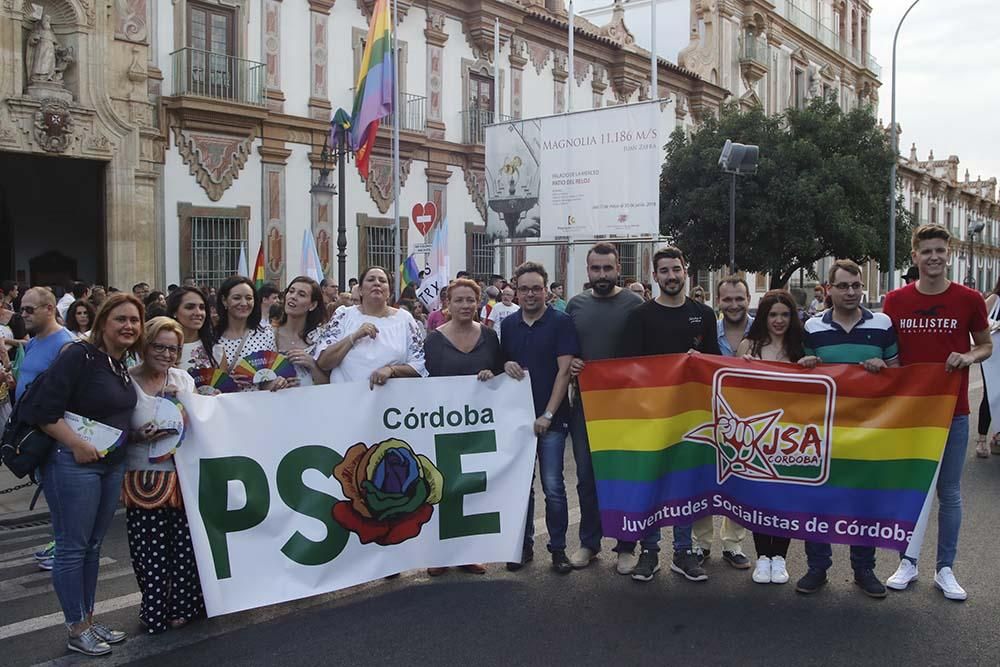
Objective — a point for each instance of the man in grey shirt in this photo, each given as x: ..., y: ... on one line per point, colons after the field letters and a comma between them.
x: 599, y: 315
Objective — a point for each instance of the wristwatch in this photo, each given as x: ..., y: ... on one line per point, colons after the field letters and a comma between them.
x: 547, y: 415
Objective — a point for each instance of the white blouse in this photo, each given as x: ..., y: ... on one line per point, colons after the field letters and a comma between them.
x: 137, y: 453
x: 261, y: 338
x: 400, y: 340
x: 303, y: 373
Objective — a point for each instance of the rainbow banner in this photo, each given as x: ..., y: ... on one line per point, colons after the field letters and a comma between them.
x: 374, y: 91
x: 836, y: 454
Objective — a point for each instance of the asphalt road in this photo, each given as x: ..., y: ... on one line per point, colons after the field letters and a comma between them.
x: 535, y: 616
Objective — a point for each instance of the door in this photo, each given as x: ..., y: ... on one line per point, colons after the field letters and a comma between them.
x: 211, y: 63
x: 480, y: 105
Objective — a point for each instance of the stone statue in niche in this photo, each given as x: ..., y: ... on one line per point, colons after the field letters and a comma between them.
x: 47, y: 60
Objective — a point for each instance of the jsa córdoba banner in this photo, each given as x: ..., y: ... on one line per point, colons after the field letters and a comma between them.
x: 836, y: 454
x: 305, y: 491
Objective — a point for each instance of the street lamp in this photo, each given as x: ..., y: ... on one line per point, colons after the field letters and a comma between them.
x: 975, y: 228
x: 737, y: 160
x: 324, y: 190
x: 895, y: 158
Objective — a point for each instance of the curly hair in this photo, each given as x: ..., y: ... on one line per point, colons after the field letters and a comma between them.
x: 759, y: 336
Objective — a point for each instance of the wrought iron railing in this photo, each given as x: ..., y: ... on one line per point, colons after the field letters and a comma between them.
x: 217, y: 75
x: 754, y: 50
x: 815, y: 28
x: 474, y: 122
x: 413, y: 116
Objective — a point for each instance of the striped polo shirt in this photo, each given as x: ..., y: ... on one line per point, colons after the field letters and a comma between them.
x: 871, y: 338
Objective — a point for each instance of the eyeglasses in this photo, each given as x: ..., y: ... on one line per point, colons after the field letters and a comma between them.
x: 537, y: 289
x: 28, y: 310
x: 172, y: 350
x: 843, y: 287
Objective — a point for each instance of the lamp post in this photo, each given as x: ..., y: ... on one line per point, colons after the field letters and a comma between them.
x: 324, y: 190
x: 970, y: 277
x: 736, y: 160
x: 895, y: 157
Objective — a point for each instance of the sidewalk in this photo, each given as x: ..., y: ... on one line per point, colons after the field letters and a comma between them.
x: 14, y: 505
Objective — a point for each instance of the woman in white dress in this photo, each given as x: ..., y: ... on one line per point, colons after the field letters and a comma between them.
x: 371, y: 341
x: 304, y: 314
x: 239, y: 332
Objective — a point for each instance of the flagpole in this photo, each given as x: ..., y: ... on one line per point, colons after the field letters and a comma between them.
x: 496, y: 70
x: 572, y: 46
x: 652, y: 53
x: 397, y: 260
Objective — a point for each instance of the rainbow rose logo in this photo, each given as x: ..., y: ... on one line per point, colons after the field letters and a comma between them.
x: 390, y: 490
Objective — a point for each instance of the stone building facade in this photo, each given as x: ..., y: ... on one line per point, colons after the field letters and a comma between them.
x: 202, y: 124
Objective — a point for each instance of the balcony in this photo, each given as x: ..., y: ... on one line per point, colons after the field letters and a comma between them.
x: 826, y: 36
x: 413, y: 117
x: 217, y: 76
x: 474, y: 122
x: 753, y: 58
x: 873, y: 67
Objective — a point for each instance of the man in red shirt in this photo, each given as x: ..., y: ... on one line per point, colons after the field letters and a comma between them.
x: 934, y: 318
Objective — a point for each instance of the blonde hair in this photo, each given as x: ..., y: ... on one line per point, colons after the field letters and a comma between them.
x: 158, y: 325
x: 114, y: 301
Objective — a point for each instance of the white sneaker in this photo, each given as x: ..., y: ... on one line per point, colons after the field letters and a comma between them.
x: 945, y: 580
x: 779, y: 575
x: 762, y: 573
x: 582, y: 557
x: 904, y: 574
x: 626, y: 563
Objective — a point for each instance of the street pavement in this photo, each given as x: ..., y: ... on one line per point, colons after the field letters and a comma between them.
x: 535, y: 616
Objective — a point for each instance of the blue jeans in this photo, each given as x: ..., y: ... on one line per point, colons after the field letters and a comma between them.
x: 949, y: 492
x: 819, y: 556
x: 586, y: 487
x: 82, y: 500
x: 551, y: 448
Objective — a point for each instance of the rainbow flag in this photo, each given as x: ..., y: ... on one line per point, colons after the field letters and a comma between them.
x: 374, y: 90
x: 259, y: 276
x: 831, y: 455
x: 409, y: 272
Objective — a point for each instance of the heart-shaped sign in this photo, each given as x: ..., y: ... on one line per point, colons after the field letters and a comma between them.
x: 424, y: 216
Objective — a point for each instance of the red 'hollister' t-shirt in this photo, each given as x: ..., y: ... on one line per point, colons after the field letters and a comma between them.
x: 932, y: 326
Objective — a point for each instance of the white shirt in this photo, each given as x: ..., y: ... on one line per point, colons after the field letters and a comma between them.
x: 400, y: 340
x: 64, y: 303
x: 137, y: 453
x: 499, y: 312
x: 261, y: 338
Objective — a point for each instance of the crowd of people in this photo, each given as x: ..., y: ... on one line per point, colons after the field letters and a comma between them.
x: 108, y: 356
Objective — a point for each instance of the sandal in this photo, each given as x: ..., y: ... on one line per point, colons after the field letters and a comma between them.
x: 982, y: 449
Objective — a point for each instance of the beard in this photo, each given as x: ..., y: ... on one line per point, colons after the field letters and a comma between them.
x: 672, y: 288
x: 603, y: 287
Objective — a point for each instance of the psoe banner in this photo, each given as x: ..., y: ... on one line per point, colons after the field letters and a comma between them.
x: 310, y: 490
x: 576, y: 176
x: 831, y: 455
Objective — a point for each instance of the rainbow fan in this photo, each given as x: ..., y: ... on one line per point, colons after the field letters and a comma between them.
x: 211, y: 381
x: 171, y: 421
x: 263, y: 366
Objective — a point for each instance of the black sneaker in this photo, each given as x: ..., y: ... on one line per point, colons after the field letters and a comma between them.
x: 560, y: 563
x: 811, y: 581
x: 869, y: 583
x: 648, y: 565
x: 703, y: 555
x: 686, y: 564
x: 736, y: 559
x: 527, y: 555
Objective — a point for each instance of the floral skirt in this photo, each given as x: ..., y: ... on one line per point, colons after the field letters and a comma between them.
x: 159, y: 541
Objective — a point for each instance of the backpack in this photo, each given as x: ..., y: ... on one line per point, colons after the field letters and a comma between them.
x: 23, y: 446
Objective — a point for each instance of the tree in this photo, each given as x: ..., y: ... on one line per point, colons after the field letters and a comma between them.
x: 821, y: 190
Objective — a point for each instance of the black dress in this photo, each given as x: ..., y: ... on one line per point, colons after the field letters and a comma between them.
x: 442, y: 358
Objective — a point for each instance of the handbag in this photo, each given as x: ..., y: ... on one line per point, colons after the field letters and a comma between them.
x: 151, y: 490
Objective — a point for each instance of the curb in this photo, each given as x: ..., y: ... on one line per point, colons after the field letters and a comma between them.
x: 16, y: 519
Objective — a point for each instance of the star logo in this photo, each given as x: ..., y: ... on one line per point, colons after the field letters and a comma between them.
x: 788, y: 444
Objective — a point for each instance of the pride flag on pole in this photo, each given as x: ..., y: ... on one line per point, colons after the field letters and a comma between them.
x: 831, y: 455
x: 409, y: 271
x: 373, y: 92
x: 259, y: 276
x: 310, y: 263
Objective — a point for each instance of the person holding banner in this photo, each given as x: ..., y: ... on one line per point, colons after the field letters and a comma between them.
x: 463, y: 346
x: 672, y: 323
x: 934, y: 318
x: 847, y: 333
x: 189, y: 306
x: 599, y: 315
x: 373, y: 341
x: 774, y: 335
x: 81, y: 484
x: 301, y: 319
x: 159, y: 539
x: 543, y: 341
x: 239, y: 331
